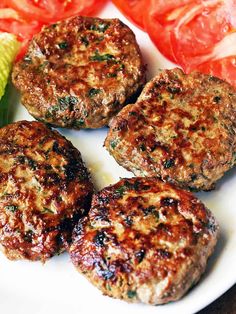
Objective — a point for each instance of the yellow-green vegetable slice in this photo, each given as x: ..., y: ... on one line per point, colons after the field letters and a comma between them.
x: 9, y: 47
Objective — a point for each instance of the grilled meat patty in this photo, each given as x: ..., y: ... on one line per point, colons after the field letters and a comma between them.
x: 181, y: 129
x: 44, y: 189
x: 80, y: 72
x: 144, y: 241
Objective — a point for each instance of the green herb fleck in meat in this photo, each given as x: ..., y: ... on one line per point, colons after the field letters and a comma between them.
x: 28, y: 236
x: 79, y: 123
x: 67, y: 102
x: 133, y: 113
x: 217, y: 99
x: 174, y: 89
x: 42, y: 66
x: 47, y: 211
x: 63, y: 45
x: 169, y: 163
x: 121, y: 190
x: 101, y: 27
x: 140, y: 255
x: 135, y: 185
x: 113, y: 144
x: 24, y: 159
x: 105, y: 57
x: 32, y: 164
x: 93, y: 92
x: 149, y: 210
x: 11, y: 208
x: 121, y: 67
x: 131, y: 294
x: 112, y: 75
x: 100, y: 239
x: 84, y: 40
x: 193, y: 177
x: 142, y: 147
x: 85, y: 113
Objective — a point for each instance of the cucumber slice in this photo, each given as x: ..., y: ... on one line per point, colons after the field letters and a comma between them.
x: 9, y: 47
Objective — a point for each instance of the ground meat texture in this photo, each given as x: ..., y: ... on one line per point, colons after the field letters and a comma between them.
x: 181, y: 129
x: 80, y: 72
x: 144, y: 241
x: 44, y: 190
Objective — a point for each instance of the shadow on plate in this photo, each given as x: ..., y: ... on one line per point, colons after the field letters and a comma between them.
x: 212, y: 262
x: 13, y: 103
x: 229, y: 175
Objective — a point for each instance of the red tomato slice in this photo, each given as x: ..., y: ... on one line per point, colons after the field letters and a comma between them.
x: 203, y: 31
x: 23, y: 30
x: 134, y: 10
x: 224, y: 68
x: 8, y: 13
x: 160, y: 20
x: 196, y: 34
x: 48, y: 11
x: 3, y: 4
x: 82, y: 7
x: 12, y: 22
x: 29, y: 10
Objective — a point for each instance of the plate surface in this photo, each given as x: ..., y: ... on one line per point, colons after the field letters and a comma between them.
x: 56, y: 287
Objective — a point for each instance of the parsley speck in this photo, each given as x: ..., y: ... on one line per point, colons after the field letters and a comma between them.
x: 169, y: 163
x: 131, y: 294
x: 93, y: 92
x: 11, y: 208
x: 105, y: 57
x: 63, y: 45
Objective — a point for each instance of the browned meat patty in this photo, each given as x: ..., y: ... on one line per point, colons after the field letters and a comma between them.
x: 144, y: 241
x: 181, y: 129
x: 44, y: 189
x: 80, y: 72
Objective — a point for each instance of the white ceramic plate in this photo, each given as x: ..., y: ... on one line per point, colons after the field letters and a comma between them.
x: 33, y: 288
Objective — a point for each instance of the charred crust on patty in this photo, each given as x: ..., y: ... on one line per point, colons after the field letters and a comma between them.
x: 149, y: 243
x: 44, y: 190
x: 80, y: 72
x: 182, y: 129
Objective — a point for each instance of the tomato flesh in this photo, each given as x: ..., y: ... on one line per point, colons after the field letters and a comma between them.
x: 29, y: 10
x: 224, y: 68
x: 160, y: 20
x: 48, y: 11
x: 134, y: 10
x: 84, y: 7
x: 196, y: 34
x: 200, y: 30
